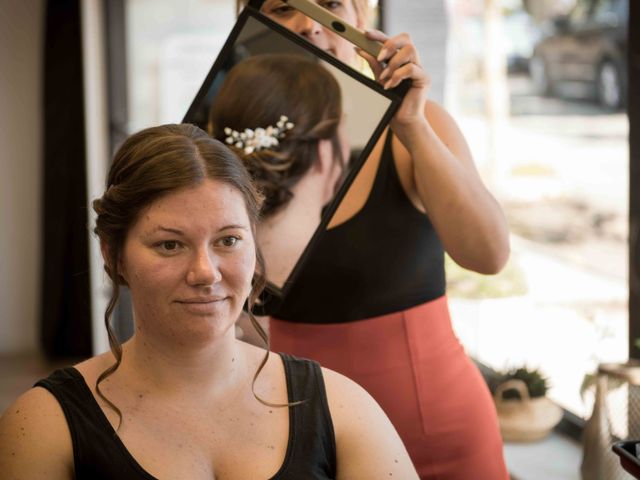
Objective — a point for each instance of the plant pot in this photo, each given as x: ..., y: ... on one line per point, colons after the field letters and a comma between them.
x: 524, y: 419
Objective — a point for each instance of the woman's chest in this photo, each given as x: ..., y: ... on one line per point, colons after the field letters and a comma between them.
x: 225, y: 445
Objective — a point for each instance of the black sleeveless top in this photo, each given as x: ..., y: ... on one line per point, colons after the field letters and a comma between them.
x: 385, y: 259
x: 100, y: 454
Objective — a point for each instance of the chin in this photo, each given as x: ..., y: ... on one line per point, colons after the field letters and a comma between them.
x: 204, y: 335
x: 203, y: 326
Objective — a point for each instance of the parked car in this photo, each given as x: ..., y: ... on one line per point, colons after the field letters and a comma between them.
x: 585, y: 53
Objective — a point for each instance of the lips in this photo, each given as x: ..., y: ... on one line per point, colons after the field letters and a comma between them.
x: 201, y: 299
x: 201, y: 305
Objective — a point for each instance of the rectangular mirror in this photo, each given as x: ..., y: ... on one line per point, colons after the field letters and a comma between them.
x: 304, y: 166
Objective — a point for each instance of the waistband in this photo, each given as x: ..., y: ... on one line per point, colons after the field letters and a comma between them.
x: 427, y: 325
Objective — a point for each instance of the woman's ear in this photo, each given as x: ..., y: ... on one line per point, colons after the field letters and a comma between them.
x: 104, y: 249
x: 325, y: 156
x: 116, y: 272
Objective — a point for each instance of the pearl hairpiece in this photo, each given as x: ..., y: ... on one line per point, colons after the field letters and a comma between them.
x: 260, y: 138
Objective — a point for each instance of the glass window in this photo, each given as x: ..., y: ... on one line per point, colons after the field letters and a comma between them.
x: 170, y: 49
x: 581, y: 11
x: 559, y: 165
x: 607, y: 10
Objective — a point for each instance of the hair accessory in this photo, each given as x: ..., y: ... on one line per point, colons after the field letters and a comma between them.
x: 255, y: 140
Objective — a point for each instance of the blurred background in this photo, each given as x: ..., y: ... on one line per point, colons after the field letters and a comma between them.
x: 539, y: 87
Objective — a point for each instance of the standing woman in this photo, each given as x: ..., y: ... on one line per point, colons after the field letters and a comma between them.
x: 370, y: 302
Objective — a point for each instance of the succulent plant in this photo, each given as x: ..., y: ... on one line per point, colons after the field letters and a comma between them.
x: 536, y: 382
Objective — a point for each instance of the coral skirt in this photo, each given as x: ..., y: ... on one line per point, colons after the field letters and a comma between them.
x: 414, y: 366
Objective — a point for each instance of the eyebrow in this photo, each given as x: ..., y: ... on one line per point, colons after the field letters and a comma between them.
x: 177, y: 231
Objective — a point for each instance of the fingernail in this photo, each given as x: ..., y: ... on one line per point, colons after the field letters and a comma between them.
x: 382, y: 55
x: 384, y: 74
x: 387, y: 85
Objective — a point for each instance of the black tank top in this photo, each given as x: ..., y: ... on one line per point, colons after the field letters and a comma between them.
x: 385, y: 259
x: 100, y: 455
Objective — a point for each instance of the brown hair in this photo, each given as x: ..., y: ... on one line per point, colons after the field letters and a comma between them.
x: 150, y: 164
x: 256, y: 93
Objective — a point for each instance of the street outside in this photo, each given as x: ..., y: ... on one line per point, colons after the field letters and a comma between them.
x: 561, y: 174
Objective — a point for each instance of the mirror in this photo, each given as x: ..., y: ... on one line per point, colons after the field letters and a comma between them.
x: 262, y: 71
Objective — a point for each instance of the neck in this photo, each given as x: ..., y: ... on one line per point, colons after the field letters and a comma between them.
x: 283, y: 236
x: 211, y: 370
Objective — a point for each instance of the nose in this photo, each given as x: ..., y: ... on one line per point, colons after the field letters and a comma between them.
x: 204, y: 269
x: 306, y: 26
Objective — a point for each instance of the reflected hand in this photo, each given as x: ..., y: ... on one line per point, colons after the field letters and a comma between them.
x: 402, y: 62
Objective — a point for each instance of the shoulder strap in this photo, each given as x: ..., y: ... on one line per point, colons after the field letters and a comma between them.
x: 312, y: 437
x: 385, y: 171
x: 68, y: 387
x: 98, y: 453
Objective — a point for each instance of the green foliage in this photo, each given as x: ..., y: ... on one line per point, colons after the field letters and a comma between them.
x: 462, y: 283
x: 537, y: 384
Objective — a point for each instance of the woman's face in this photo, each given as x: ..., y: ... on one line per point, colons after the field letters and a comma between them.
x: 189, y: 260
x: 313, y: 31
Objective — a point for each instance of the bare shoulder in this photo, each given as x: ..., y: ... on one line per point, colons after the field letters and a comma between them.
x: 448, y: 130
x: 91, y: 368
x: 438, y: 116
x: 34, y: 438
x: 368, y: 445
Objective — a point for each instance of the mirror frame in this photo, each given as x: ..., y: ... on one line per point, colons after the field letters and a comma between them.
x: 395, y: 95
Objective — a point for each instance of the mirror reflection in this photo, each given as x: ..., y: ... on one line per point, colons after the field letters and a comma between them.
x: 300, y: 125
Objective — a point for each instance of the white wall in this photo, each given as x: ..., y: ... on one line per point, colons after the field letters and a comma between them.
x: 21, y: 38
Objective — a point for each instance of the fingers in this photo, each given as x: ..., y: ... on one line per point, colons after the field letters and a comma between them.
x: 398, y: 60
x: 376, y: 66
x: 419, y: 78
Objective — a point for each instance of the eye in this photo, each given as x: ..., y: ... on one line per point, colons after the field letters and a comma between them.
x: 331, y: 5
x: 229, y: 241
x: 280, y: 10
x: 167, y: 246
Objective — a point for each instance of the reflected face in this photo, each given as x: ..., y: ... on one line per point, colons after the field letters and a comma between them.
x: 313, y: 31
x: 189, y: 260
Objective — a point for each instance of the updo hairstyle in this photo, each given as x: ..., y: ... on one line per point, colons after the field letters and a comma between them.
x: 255, y: 94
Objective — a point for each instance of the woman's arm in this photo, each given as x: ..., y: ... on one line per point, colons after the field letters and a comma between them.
x: 433, y: 154
x: 469, y: 221
x: 35, y: 442
x: 368, y: 446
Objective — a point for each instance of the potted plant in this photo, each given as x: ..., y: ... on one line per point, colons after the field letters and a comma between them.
x: 524, y: 411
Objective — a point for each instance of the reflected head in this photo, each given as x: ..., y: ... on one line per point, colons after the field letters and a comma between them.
x: 255, y: 94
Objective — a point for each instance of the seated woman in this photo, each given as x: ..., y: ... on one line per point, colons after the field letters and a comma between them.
x: 282, y: 114
x: 183, y: 398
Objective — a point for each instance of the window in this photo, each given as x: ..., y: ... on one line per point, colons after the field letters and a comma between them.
x: 170, y: 49
x: 560, y: 168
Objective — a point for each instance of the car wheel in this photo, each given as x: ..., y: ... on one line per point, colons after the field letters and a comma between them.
x: 609, y: 86
x: 540, y: 76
